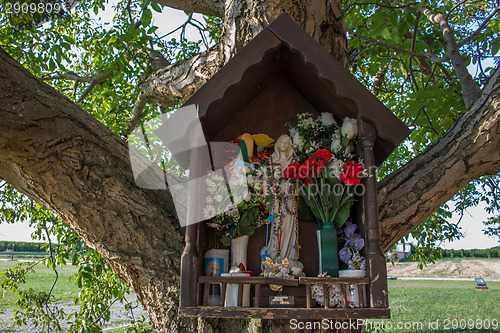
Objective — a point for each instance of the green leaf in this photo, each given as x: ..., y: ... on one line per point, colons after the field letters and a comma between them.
x: 146, y: 17
x: 156, y: 7
x: 342, y: 214
x: 152, y: 30
x: 225, y: 240
x: 495, y: 47
x: 112, y: 39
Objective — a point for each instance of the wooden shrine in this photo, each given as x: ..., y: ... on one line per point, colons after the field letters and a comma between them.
x: 280, y: 73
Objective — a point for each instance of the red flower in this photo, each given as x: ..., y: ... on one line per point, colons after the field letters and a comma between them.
x: 291, y: 171
x: 320, y: 163
x: 307, y: 181
x: 322, y: 154
x: 344, y: 178
x: 353, y: 169
x: 305, y: 168
x: 351, y: 173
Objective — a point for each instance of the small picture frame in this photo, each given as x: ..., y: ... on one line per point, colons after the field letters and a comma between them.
x: 213, y: 266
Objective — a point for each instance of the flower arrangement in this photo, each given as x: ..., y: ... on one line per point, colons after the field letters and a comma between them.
x: 236, y: 207
x: 309, y: 135
x: 334, y: 293
x: 327, y: 174
x: 349, y: 254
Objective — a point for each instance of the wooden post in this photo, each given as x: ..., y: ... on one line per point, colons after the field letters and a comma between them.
x: 343, y: 290
x: 374, y: 257
x: 206, y: 291
x: 256, y: 301
x: 308, y: 296
x: 361, y: 295
x: 190, y: 267
x: 326, y: 296
x: 240, y: 294
x: 223, y: 294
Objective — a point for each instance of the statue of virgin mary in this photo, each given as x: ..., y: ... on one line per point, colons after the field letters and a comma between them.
x: 283, y: 235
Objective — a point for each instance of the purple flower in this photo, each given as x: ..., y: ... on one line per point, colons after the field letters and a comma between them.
x: 359, y: 243
x: 345, y: 255
x: 349, y: 229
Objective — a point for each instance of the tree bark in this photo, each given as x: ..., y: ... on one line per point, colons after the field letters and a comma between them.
x: 206, y: 7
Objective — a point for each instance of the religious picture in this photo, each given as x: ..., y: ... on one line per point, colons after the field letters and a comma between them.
x: 214, y: 266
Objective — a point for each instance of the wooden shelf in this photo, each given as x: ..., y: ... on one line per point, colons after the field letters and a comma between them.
x: 248, y: 280
x: 281, y: 313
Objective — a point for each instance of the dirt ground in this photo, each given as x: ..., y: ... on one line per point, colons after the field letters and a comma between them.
x: 465, y: 268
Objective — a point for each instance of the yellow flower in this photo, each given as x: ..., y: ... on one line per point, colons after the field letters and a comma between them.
x: 263, y: 141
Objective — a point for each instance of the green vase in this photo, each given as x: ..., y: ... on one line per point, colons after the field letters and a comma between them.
x: 328, y: 251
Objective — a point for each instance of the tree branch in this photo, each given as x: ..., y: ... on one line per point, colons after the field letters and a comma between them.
x: 179, y: 81
x: 137, y: 112
x: 206, y: 7
x: 62, y: 157
x: 465, y: 152
x: 69, y: 76
x: 429, y: 55
x: 94, y: 81
x: 473, y: 35
x: 470, y: 89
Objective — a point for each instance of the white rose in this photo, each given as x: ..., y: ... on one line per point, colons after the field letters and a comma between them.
x: 211, y: 190
x: 218, y: 198
x: 258, y: 186
x: 209, y: 200
x: 327, y: 118
x: 250, y: 180
x: 297, y: 140
x: 336, y: 145
x: 349, y: 128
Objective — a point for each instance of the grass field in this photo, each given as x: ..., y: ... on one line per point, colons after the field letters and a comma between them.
x: 417, y: 304
x: 414, y: 304
x: 41, y: 280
